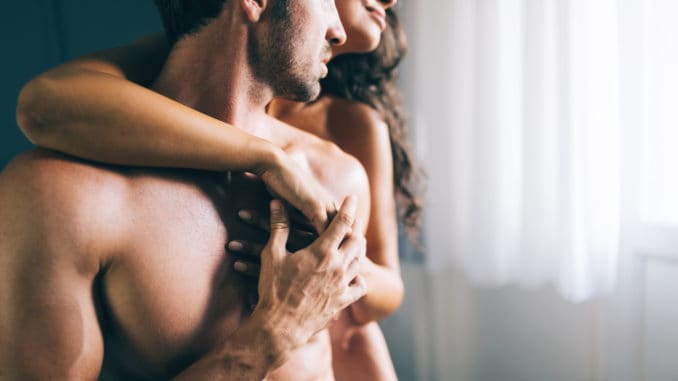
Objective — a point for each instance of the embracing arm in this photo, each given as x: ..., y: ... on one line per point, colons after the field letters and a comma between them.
x: 95, y: 108
x: 90, y: 108
x: 359, y: 131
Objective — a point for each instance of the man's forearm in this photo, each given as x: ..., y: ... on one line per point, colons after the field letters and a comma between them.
x: 255, y: 348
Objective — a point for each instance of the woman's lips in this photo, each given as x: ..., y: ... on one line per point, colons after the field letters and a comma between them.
x: 379, y: 16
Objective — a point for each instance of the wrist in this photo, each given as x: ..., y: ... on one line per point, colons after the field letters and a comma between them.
x: 268, y: 157
x: 270, y: 334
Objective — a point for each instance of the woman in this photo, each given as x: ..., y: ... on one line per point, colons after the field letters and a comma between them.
x: 103, y: 115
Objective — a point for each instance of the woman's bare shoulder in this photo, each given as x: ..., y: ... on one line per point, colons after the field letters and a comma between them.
x: 359, y: 130
x: 360, y: 114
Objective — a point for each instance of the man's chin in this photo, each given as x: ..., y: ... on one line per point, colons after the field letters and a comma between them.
x: 304, y: 93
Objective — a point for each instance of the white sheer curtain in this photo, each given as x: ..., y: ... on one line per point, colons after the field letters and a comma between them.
x: 659, y: 110
x: 517, y: 116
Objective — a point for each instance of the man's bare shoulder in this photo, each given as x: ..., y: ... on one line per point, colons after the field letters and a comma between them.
x: 54, y: 198
x: 54, y: 222
x: 62, y: 180
x: 341, y: 173
x: 44, y: 159
x: 323, y: 157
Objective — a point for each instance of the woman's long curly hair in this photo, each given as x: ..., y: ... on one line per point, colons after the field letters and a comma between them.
x: 370, y: 78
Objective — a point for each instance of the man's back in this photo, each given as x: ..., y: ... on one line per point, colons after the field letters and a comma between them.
x: 140, y: 254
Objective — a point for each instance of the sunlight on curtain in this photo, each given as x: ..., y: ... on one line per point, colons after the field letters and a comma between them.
x: 659, y: 190
x: 516, y: 111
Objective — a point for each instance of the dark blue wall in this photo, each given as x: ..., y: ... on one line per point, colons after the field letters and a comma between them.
x: 39, y: 34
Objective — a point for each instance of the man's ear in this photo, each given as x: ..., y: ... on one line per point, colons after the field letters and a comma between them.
x: 254, y: 8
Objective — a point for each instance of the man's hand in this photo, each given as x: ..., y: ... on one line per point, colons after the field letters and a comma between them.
x: 303, y: 291
x: 286, y: 180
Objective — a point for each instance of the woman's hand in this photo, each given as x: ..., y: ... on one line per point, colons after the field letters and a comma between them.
x: 248, y: 253
x: 285, y: 179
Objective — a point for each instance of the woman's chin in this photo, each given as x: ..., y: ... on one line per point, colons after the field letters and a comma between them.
x: 362, y: 45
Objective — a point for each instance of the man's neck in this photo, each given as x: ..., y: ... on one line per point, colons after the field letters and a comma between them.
x: 219, y: 85
x: 282, y: 108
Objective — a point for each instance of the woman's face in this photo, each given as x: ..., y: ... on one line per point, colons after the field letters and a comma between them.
x: 363, y: 21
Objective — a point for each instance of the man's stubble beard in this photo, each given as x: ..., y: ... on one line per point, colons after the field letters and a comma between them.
x: 275, y: 62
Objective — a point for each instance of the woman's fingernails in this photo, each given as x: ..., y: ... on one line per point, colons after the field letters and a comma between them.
x: 235, y: 245
x: 240, y: 266
x: 245, y: 215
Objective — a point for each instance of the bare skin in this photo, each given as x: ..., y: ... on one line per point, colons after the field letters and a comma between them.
x: 358, y: 345
x: 141, y: 115
x: 103, y: 273
x: 359, y: 349
x: 177, y: 137
x: 108, y: 291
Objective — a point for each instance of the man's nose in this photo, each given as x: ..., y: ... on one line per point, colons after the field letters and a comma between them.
x: 388, y: 3
x: 336, y: 34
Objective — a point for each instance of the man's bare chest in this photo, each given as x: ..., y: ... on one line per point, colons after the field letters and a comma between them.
x: 174, y: 295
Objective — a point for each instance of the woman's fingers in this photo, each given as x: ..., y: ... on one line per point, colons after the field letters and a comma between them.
x: 299, y: 237
x: 251, y: 269
x: 255, y: 219
x: 259, y: 220
x: 245, y: 248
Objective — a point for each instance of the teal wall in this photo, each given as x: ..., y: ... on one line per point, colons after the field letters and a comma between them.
x: 38, y: 34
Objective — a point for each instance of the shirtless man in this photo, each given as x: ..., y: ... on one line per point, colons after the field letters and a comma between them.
x: 120, y: 273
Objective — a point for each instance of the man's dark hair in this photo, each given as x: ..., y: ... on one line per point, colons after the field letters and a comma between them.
x: 182, y: 17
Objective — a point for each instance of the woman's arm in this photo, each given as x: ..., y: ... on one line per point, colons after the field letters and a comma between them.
x: 93, y: 108
x: 359, y: 131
